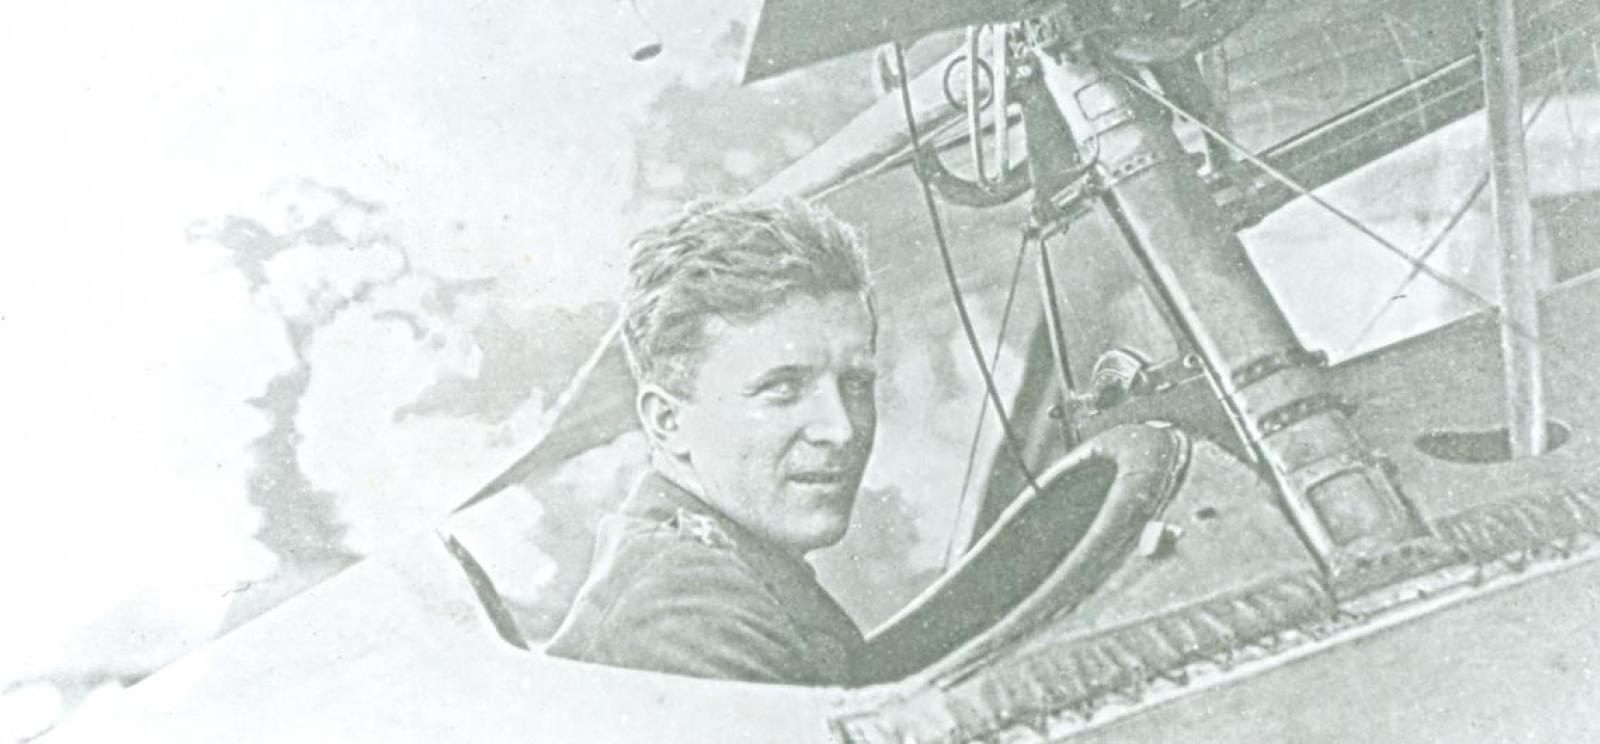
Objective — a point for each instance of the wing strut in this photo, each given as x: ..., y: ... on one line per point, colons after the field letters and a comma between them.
x: 1513, y: 216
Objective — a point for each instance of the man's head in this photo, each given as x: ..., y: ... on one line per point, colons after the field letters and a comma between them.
x: 751, y: 331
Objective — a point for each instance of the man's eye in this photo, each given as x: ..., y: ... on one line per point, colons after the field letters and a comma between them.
x: 780, y: 390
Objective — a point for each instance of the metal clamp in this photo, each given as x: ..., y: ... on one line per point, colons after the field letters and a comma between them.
x: 1131, y: 166
x: 1066, y: 205
x: 1275, y: 362
x: 1293, y: 412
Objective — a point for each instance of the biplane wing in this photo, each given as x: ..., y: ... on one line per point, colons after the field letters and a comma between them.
x: 791, y: 34
x: 1378, y: 76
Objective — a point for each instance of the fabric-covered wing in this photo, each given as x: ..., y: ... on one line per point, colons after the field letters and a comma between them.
x: 1378, y: 76
x: 794, y: 33
x: 1320, y: 88
x: 1298, y: 64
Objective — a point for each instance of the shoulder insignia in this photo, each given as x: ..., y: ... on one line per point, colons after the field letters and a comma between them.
x: 702, y: 529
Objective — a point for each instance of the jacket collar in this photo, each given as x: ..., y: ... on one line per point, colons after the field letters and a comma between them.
x: 661, y: 500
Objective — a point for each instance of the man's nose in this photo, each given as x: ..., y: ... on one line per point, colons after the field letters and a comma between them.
x: 831, y: 420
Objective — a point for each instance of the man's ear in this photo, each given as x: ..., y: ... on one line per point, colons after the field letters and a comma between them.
x: 661, y: 414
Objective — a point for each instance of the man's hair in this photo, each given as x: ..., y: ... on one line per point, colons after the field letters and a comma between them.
x: 731, y: 261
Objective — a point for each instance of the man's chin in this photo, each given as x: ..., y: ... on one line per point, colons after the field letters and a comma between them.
x: 829, y: 509
x: 824, y: 532
x: 823, y: 539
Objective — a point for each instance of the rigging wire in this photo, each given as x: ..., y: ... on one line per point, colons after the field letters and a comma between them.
x: 1314, y: 198
x: 1577, y: 371
x: 983, y: 407
x: 1418, y: 267
x: 1456, y: 215
x: 1427, y: 252
x: 1013, y: 445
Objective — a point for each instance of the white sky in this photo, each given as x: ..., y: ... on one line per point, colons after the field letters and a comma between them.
x: 495, y: 132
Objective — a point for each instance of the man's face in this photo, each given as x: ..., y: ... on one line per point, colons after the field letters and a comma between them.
x: 781, y: 421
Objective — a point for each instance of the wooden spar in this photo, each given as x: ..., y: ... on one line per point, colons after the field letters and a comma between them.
x: 1513, y: 216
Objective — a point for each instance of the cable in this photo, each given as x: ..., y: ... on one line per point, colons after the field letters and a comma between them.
x: 1576, y: 370
x: 1013, y: 445
x: 1433, y: 245
x: 1343, y: 216
x: 1300, y: 190
x: 983, y: 407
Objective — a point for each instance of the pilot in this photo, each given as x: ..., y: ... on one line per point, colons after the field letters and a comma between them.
x: 751, y: 332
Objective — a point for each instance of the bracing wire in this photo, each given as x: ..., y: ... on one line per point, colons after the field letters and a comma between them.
x: 1343, y: 216
x: 1013, y: 444
x: 983, y: 407
x: 1433, y: 245
x: 1576, y: 370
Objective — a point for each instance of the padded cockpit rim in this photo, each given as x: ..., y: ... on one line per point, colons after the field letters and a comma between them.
x: 1149, y: 464
x: 1104, y: 546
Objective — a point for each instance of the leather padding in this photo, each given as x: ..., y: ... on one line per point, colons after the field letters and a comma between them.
x: 1047, y: 551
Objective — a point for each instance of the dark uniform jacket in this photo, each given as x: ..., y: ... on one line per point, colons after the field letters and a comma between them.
x: 677, y: 587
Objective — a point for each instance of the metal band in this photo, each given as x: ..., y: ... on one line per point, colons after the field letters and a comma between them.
x: 1293, y: 412
x: 1131, y: 166
x: 1275, y: 362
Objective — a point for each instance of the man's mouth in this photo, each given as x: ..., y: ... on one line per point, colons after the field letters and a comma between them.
x: 821, y: 477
